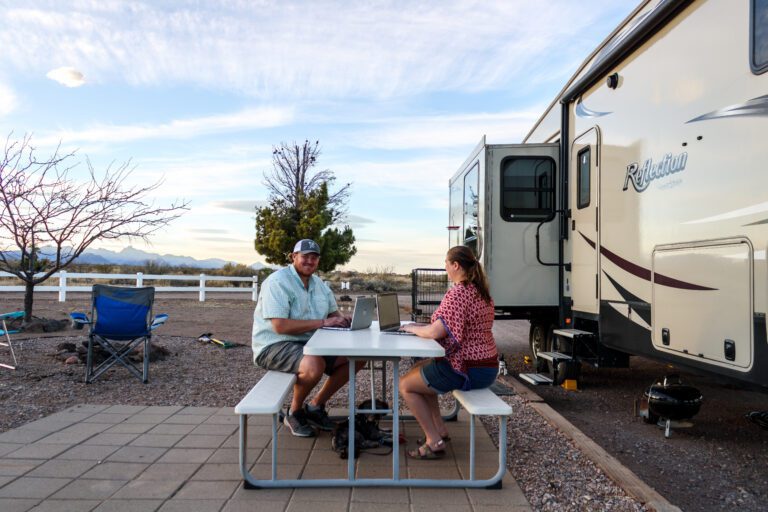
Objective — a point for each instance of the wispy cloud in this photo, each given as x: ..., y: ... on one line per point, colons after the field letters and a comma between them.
x: 248, y: 206
x: 248, y: 119
x: 66, y: 76
x: 306, y: 49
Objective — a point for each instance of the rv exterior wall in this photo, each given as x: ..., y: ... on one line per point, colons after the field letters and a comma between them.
x: 681, y: 165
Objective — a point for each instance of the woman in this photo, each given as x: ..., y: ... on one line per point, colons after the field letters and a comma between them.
x: 462, y: 325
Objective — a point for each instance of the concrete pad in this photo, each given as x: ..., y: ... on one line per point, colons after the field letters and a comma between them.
x: 202, y: 441
x: 9, y: 447
x: 38, y: 451
x: 148, y: 490
x: 221, y: 489
x: 324, y: 471
x: 215, y: 430
x: 425, y: 507
x: 48, y: 425
x: 314, y: 506
x: 175, y: 505
x: 17, y: 467
x: 224, y: 455
x: 58, y: 468
x: 137, y: 454
x: 256, y: 498
x: 88, y: 452
x: 289, y: 457
x: 70, y: 438
x: 163, y: 409
x: 174, y: 429
x: 87, y: 408
x: 247, y: 506
x: 201, y: 411
x: 116, y: 471
x: 338, y: 495
x: 33, y: 487
x: 220, y: 419
x: 428, y: 496
x: 106, y: 418
x: 16, y: 505
x: 357, y: 506
x: 446, y: 471
x: 509, y: 494
x: 129, y: 428
x: 66, y: 506
x: 129, y: 506
x: 186, y: 419
x: 185, y: 454
x: 147, y: 418
x: 164, y: 471
x: 381, y: 495
x: 124, y: 409
x: 22, y: 435
x: 213, y: 472
x: 157, y: 440
x: 111, y: 439
x: 83, y: 489
x: 255, y: 441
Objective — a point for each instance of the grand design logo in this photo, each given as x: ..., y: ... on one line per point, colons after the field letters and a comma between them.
x: 641, y: 177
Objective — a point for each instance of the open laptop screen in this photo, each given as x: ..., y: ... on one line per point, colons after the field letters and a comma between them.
x: 389, y: 310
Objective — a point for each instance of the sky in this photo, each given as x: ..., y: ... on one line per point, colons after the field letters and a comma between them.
x: 196, y: 94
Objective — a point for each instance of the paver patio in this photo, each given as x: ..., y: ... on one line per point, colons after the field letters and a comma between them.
x: 169, y: 458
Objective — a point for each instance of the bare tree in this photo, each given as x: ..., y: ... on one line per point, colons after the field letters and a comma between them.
x: 41, y: 206
x: 293, y: 177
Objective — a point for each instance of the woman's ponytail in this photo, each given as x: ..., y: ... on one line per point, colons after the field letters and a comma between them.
x: 466, y: 259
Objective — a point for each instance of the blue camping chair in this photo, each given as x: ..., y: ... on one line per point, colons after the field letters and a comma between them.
x: 121, y: 319
x: 5, y: 332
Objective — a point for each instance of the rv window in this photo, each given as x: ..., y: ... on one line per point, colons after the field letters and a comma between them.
x: 528, y: 189
x: 759, y: 36
x: 471, y: 201
x: 583, y: 178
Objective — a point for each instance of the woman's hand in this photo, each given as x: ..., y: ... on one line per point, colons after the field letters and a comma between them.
x: 435, y: 330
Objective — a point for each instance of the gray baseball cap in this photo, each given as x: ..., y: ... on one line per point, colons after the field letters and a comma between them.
x: 306, y: 246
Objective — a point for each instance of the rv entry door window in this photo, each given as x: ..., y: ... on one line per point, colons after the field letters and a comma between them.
x: 759, y: 36
x: 528, y: 189
x: 471, y: 203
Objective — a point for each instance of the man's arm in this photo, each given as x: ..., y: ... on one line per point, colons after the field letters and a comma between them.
x: 291, y: 326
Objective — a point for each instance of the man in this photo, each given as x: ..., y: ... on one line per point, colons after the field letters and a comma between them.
x: 292, y: 304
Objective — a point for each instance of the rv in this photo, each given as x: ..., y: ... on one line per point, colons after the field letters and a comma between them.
x: 633, y: 217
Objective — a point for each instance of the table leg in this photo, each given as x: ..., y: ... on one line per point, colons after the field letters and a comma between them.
x: 351, y: 431
x: 396, y: 420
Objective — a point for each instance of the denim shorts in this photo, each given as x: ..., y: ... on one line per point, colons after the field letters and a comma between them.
x: 285, y: 356
x: 441, y: 378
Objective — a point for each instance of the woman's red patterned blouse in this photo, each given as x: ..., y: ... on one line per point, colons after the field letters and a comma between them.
x: 468, y: 320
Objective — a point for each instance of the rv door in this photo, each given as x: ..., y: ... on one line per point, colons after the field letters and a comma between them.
x: 585, y: 222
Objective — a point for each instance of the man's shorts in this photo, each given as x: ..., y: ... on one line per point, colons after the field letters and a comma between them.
x: 285, y: 356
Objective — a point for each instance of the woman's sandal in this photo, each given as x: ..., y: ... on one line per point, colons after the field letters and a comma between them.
x: 425, y: 452
x: 422, y: 440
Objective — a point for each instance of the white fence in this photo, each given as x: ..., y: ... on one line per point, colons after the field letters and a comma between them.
x: 140, y: 278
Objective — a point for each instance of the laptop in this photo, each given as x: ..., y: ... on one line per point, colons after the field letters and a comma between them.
x: 389, y: 314
x: 362, y: 316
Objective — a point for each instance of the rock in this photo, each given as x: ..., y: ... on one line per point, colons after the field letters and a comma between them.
x: 66, y: 346
x: 72, y: 360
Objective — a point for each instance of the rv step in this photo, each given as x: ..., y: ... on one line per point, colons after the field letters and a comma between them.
x: 553, y: 356
x: 535, y: 378
x: 571, y: 333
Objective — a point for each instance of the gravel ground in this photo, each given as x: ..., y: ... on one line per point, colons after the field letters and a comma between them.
x: 552, y: 472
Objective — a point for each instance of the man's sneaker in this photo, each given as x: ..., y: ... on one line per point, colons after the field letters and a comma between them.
x: 297, y: 424
x: 319, y: 418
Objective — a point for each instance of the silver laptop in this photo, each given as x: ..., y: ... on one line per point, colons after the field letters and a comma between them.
x: 389, y: 314
x: 361, y: 317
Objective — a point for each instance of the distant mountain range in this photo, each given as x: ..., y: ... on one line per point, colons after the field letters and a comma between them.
x: 132, y: 256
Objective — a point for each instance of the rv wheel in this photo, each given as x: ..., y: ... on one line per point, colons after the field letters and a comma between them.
x: 567, y: 370
x: 540, y: 341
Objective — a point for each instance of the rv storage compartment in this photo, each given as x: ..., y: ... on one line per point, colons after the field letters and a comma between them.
x: 702, y: 295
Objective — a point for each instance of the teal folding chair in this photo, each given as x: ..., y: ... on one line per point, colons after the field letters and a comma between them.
x: 5, y: 332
